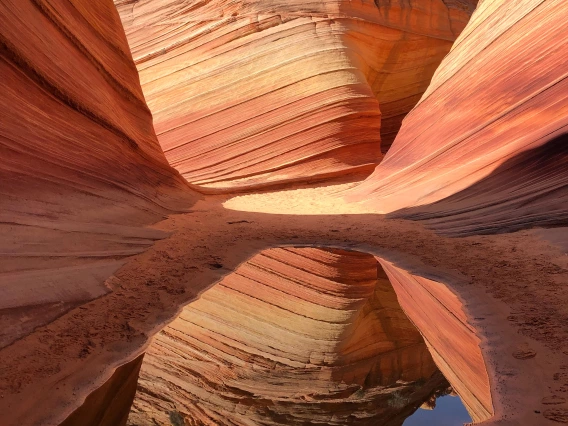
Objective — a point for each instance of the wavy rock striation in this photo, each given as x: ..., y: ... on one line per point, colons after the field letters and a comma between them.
x: 452, y: 342
x: 299, y: 336
x: 252, y: 93
x: 81, y: 167
x: 487, y: 137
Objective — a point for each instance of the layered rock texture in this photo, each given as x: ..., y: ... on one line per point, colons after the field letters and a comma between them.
x: 109, y: 405
x: 251, y: 93
x: 242, y: 95
x: 452, y: 342
x: 299, y: 336
x: 487, y: 141
x: 81, y: 168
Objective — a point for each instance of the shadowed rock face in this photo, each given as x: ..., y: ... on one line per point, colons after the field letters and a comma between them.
x: 498, y: 96
x: 528, y: 190
x: 301, y: 336
x: 81, y: 170
x: 252, y: 93
x: 110, y: 404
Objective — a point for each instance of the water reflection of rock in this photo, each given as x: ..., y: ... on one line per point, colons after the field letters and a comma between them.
x: 454, y: 346
x: 293, y: 336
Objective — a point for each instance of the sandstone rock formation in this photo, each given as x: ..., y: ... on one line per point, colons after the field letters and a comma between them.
x: 110, y: 404
x: 247, y: 94
x: 527, y: 190
x: 488, y: 131
x: 81, y: 169
x: 452, y: 342
x: 295, y: 336
x: 252, y: 93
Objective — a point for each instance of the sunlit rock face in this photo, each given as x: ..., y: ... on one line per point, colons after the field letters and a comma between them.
x: 295, y: 336
x: 488, y: 133
x: 81, y: 169
x: 252, y: 93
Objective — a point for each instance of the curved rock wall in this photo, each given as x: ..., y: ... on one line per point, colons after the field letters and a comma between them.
x: 252, y: 93
x: 452, y: 342
x: 488, y: 131
x: 81, y: 168
x: 530, y: 189
x: 110, y: 404
x: 294, y: 336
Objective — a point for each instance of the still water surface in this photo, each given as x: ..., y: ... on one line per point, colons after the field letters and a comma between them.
x: 449, y: 411
x: 296, y: 336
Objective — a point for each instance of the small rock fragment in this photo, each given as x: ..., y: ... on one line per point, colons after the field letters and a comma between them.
x: 524, y: 354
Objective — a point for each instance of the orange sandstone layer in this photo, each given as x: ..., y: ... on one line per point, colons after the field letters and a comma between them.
x: 253, y: 93
x: 487, y: 142
x: 81, y: 167
x: 452, y: 342
x: 299, y: 336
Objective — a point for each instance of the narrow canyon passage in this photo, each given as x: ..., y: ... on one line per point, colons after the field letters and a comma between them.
x: 273, y: 212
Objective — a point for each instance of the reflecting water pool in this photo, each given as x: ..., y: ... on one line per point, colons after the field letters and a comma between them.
x: 301, y: 336
x: 447, y: 410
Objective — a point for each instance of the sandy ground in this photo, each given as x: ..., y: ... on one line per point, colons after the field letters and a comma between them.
x: 513, y: 287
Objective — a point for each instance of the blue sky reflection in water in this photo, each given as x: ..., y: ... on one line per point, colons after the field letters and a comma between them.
x: 449, y: 411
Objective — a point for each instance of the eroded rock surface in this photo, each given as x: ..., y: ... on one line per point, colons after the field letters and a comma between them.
x: 81, y: 168
x: 452, y: 341
x: 109, y: 405
x: 258, y: 92
x: 82, y: 173
x: 489, y: 133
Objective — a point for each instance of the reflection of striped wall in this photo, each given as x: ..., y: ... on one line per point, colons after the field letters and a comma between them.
x: 453, y: 343
x: 293, y: 336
